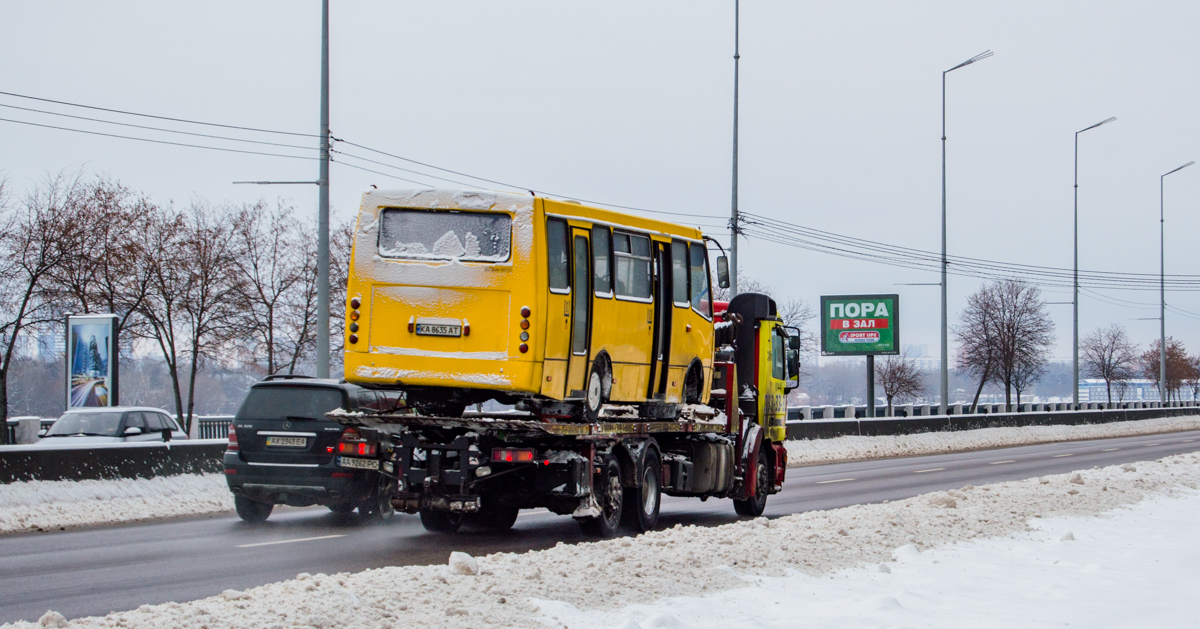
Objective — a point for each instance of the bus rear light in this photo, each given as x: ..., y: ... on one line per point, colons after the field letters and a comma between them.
x: 355, y: 303
x: 525, y: 312
x: 353, y: 339
x: 524, y: 324
x: 353, y: 327
x: 354, y: 315
x: 466, y: 328
x: 412, y: 325
x: 523, y: 347
x: 233, y: 442
x: 512, y: 455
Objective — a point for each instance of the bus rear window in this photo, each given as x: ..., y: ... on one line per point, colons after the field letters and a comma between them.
x: 444, y: 235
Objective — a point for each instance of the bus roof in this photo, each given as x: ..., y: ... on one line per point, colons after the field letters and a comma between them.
x: 484, y: 200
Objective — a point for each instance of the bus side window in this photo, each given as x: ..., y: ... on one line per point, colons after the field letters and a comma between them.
x: 556, y: 255
x: 631, y: 254
x: 679, y: 274
x: 602, y: 280
x: 701, y: 290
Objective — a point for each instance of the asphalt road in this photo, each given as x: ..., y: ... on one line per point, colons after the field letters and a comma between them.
x: 94, y: 571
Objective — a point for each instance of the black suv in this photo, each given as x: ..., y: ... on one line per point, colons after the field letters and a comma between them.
x: 283, y: 450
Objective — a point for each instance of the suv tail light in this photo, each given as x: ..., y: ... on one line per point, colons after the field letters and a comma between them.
x: 352, y: 443
x: 233, y: 443
x: 512, y: 455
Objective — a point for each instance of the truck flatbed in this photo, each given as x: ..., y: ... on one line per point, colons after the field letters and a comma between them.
x: 694, y: 419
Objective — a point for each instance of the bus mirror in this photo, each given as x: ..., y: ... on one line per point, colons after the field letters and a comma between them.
x: 723, y: 272
x: 794, y: 343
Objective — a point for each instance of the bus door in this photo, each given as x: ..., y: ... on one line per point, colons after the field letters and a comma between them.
x: 558, y: 309
x: 581, y: 320
x: 661, y: 348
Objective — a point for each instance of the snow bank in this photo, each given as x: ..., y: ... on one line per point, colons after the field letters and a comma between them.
x: 48, y: 505
x: 529, y: 589
x: 842, y: 449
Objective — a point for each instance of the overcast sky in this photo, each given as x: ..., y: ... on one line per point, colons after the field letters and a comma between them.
x: 631, y: 103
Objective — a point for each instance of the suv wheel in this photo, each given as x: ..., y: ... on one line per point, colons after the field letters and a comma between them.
x: 251, y: 510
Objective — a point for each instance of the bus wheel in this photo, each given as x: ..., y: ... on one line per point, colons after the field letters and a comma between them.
x: 598, y: 382
x: 642, y: 502
x: 692, y: 387
x: 606, y: 487
x: 441, y: 521
x: 753, y: 506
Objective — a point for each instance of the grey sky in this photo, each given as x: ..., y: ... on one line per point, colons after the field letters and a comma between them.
x: 630, y: 103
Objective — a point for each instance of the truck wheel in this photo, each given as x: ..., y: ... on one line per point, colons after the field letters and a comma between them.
x: 441, y: 521
x: 642, y: 502
x: 251, y: 510
x: 754, y: 505
x: 378, y: 506
x: 498, y: 516
x: 594, y: 397
x: 606, y: 486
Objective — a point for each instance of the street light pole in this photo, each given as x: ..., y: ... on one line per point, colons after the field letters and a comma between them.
x: 323, y: 207
x: 1075, y: 300
x: 1162, y: 292
x: 945, y: 389
x: 733, y: 220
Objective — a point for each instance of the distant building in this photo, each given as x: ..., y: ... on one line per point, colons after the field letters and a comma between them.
x: 1135, y: 390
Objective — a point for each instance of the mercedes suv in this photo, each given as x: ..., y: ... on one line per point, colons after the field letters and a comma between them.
x: 283, y: 450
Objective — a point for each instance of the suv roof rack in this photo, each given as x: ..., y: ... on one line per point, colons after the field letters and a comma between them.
x: 286, y: 376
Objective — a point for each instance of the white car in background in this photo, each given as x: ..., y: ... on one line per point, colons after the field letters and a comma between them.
x: 113, y: 424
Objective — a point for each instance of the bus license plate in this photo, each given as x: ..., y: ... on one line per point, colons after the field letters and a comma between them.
x: 290, y: 442
x: 362, y: 464
x: 438, y: 329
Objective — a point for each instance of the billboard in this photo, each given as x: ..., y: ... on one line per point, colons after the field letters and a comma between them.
x: 91, y: 360
x: 860, y: 325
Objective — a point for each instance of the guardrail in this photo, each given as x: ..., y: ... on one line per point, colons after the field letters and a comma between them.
x: 849, y: 411
x: 111, y: 461
x: 869, y: 427
x: 213, y: 426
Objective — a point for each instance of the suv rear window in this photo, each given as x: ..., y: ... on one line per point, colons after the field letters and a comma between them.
x: 289, y: 403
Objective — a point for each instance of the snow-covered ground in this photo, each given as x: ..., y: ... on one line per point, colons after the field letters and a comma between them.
x: 976, y: 556
x: 53, y: 505
x: 820, y: 451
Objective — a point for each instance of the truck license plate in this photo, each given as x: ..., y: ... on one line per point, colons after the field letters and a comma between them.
x: 291, y: 442
x: 362, y: 464
x: 438, y: 329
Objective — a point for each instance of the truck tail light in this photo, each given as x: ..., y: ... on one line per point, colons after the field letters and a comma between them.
x: 233, y: 442
x: 352, y: 443
x: 512, y: 455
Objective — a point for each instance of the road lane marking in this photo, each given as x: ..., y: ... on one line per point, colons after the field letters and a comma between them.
x: 1187, y: 441
x: 936, y: 469
x: 534, y: 512
x: 289, y: 541
x: 1059, y: 456
x: 1152, y: 444
x: 1000, y: 462
x: 840, y: 480
x: 1110, y: 450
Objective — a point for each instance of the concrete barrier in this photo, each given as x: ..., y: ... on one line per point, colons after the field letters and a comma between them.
x: 111, y: 461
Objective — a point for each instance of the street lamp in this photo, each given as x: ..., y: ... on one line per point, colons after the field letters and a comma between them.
x: 1075, y: 301
x: 945, y: 347
x: 1162, y: 293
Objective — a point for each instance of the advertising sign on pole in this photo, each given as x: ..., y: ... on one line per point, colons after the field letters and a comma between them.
x: 860, y: 325
x: 92, y: 369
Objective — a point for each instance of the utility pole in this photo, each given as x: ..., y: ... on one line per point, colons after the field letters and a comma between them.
x: 1075, y: 300
x: 733, y: 220
x: 323, y: 207
x: 1162, y: 292
x: 945, y: 388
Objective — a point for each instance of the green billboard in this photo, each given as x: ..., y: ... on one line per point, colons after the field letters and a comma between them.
x: 860, y: 325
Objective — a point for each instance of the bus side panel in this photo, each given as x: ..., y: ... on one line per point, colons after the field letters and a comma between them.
x: 626, y: 336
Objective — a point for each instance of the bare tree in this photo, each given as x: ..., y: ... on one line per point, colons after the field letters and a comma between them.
x: 275, y: 256
x: 899, y: 377
x: 1178, y: 365
x: 1192, y: 379
x: 978, y: 337
x: 1108, y: 354
x: 37, y: 237
x: 341, y: 247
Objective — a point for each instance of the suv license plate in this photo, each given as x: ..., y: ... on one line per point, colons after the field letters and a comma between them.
x: 362, y: 464
x: 291, y: 442
x: 437, y: 329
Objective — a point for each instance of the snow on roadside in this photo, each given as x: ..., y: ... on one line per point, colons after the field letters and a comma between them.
x: 854, y: 448
x: 51, y: 505
x: 528, y: 589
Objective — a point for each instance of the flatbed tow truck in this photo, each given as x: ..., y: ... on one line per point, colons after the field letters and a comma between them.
x: 612, y: 471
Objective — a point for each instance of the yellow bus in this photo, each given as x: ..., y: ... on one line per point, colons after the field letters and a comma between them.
x: 461, y: 296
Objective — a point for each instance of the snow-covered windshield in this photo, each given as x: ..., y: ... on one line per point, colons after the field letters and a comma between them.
x: 100, y: 424
x: 445, y: 235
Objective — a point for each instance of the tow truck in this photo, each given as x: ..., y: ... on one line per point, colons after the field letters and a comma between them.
x: 610, y: 472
